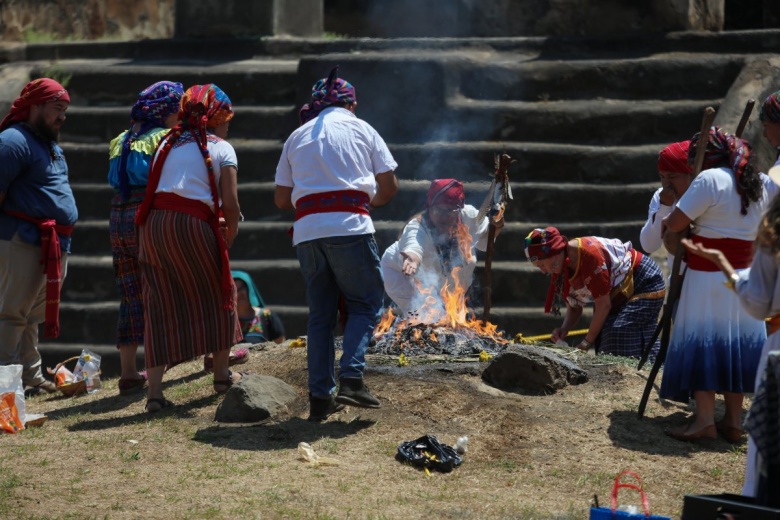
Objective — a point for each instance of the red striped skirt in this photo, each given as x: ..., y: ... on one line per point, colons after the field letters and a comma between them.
x: 180, y: 268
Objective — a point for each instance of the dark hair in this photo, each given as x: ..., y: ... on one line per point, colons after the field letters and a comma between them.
x: 751, y: 186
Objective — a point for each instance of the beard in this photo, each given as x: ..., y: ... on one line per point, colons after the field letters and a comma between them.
x: 45, y: 130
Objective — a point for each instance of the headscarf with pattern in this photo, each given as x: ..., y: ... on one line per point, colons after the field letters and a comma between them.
x: 445, y: 191
x: 674, y: 158
x: 202, y: 107
x: 770, y: 110
x: 36, y: 92
x: 153, y: 106
x: 326, y: 92
x: 723, y: 149
x: 541, y: 244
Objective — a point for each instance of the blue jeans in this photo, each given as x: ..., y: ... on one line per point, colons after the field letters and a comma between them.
x: 334, y: 266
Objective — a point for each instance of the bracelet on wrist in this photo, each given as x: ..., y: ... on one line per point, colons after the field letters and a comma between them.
x: 731, y: 282
x: 584, y: 345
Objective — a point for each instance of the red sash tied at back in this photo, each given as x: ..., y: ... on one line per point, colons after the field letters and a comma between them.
x: 739, y: 253
x: 351, y: 201
x: 51, y: 259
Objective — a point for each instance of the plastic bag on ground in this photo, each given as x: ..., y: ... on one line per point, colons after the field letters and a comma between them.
x: 428, y: 453
x: 12, y: 407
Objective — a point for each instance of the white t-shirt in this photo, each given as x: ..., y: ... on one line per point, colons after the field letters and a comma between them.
x: 332, y: 152
x: 184, y: 172
x: 714, y: 205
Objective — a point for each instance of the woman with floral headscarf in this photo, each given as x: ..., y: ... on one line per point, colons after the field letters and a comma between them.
x: 435, y: 248
x: 187, y: 221
x: 770, y: 120
x: 625, y: 287
x: 130, y: 154
x: 716, y: 345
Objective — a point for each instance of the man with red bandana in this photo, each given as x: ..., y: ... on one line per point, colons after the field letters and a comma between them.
x: 675, y: 174
x: 436, y: 249
x: 37, y: 214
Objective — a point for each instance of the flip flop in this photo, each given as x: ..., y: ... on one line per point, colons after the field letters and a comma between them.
x: 227, y: 383
x: 132, y: 386
x: 162, y: 402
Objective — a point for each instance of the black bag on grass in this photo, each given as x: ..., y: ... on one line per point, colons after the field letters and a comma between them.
x: 428, y: 452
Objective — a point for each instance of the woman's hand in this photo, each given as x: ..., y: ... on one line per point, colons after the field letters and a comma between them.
x: 411, y: 263
x: 559, y: 333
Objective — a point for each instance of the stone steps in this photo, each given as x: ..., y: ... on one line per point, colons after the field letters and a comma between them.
x: 99, y: 125
x: 247, y: 82
x: 470, y: 161
x: 584, y: 122
x: 532, y: 201
x: 270, y: 240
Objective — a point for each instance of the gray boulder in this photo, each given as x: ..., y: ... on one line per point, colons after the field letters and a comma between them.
x: 255, y: 398
x: 532, y: 370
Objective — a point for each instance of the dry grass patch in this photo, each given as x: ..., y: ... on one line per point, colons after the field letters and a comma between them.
x: 529, y: 457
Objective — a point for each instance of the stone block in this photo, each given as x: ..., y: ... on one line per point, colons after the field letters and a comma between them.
x: 219, y: 18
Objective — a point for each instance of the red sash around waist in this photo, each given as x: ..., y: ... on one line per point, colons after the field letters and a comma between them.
x: 51, y: 259
x: 351, y: 201
x: 739, y: 253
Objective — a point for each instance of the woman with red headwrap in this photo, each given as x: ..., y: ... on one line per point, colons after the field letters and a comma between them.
x: 716, y: 345
x: 625, y: 287
x: 435, y: 248
x: 188, y: 291
x: 675, y: 173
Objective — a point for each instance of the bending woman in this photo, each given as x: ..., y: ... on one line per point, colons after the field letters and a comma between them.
x: 625, y: 287
x: 189, y: 296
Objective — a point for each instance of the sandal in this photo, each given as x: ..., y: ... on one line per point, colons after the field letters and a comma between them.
x: 161, y: 402
x: 227, y: 383
x: 730, y: 433
x: 132, y: 386
x: 237, y: 357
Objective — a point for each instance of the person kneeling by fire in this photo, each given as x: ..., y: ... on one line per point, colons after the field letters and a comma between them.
x: 435, y: 254
x: 625, y: 287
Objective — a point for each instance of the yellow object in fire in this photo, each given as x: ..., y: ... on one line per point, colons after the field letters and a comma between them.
x: 403, y: 360
x: 484, y: 357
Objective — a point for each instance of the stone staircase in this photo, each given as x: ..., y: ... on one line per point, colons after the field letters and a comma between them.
x: 584, y: 119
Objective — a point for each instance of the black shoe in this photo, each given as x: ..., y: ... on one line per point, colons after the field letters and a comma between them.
x: 353, y: 392
x: 322, y: 408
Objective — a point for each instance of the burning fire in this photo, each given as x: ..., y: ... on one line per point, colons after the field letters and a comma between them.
x: 448, y: 310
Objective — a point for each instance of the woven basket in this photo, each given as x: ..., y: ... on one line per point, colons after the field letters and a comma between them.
x: 72, y: 389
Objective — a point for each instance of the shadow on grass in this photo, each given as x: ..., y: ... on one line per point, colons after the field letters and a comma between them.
x: 278, y: 436
x: 109, y: 403
x: 627, y: 431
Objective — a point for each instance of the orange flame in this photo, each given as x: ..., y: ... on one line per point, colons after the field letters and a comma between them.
x: 449, y: 310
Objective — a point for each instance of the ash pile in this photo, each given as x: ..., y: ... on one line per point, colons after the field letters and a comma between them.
x: 422, y: 338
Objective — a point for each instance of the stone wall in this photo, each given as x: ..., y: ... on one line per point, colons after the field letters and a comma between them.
x: 127, y: 20
x: 85, y: 19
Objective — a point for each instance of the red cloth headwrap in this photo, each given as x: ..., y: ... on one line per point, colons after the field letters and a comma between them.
x: 445, y: 191
x: 544, y: 243
x: 36, y: 92
x: 674, y: 158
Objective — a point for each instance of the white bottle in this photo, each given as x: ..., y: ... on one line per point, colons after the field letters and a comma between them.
x: 91, y: 374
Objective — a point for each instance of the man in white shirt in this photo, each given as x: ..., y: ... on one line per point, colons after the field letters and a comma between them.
x: 334, y: 168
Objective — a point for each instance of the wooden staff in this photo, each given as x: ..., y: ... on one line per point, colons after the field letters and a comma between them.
x: 676, y: 281
x: 664, y: 325
x: 501, y: 180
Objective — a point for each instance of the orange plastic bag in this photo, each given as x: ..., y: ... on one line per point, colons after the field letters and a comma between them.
x: 9, y: 415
